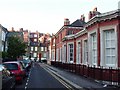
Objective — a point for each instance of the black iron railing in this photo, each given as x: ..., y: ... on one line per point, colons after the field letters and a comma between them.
x: 97, y: 73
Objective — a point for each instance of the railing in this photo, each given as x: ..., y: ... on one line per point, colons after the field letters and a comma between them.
x: 97, y: 73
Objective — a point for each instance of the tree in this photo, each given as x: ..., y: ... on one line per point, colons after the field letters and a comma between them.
x: 16, y: 47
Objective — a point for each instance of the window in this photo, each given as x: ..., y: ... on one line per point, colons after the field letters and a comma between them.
x: 60, y: 54
x: 2, y: 47
x: 85, y: 59
x: 31, y: 48
x: 35, y: 35
x: 57, y: 55
x: 36, y: 48
x: 78, y: 52
x: 45, y: 48
x: 94, y: 49
x: 35, y: 55
x: 53, y: 55
x: 45, y: 54
x: 3, y: 35
x: 11, y: 66
x: 69, y: 32
x: 35, y: 40
x: 42, y: 48
x: 63, y: 53
x: 54, y: 42
x: 70, y: 53
x: 109, y: 43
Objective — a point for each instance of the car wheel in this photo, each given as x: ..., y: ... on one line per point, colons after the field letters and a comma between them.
x: 21, y: 81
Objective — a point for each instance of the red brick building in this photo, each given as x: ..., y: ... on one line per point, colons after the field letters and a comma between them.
x: 90, y: 49
x: 96, y: 42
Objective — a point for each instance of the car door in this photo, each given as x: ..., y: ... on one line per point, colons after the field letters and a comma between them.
x: 7, y: 80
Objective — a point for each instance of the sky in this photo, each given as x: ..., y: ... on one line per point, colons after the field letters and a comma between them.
x: 47, y: 16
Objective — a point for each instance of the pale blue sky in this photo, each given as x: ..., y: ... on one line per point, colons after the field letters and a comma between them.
x: 47, y: 16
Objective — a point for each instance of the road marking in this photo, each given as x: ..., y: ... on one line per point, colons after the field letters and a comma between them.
x: 60, y: 80
x: 25, y: 87
x: 26, y: 84
x: 28, y: 79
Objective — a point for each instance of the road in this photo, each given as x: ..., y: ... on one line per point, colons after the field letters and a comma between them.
x: 40, y: 77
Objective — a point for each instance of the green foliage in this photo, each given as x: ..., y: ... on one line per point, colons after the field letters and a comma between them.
x: 16, y: 47
x: 4, y: 55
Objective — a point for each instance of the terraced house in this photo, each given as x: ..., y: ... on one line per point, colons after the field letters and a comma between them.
x: 94, y: 44
x: 3, y: 42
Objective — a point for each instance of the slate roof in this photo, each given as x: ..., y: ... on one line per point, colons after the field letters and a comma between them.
x: 78, y: 23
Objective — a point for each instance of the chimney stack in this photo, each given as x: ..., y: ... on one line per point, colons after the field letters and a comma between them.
x: 95, y: 9
x: 12, y: 29
x: 21, y: 29
x: 82, y: 18
x: 90, y: 15
x: 93, y: 13
x: 66, y: 22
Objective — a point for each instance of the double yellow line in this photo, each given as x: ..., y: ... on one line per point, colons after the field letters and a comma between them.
x: 60, y: 80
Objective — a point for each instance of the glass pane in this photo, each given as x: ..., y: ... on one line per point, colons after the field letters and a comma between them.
x: 112, y: 43
x: 108, y: 59
x: 113, y: 51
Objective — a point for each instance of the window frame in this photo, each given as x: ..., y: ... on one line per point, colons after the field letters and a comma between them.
x: 78, y: 53
x: 102, y: 29
x: 68, y: 54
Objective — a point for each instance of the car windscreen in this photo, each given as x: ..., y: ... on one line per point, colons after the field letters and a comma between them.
x: 11, y: 66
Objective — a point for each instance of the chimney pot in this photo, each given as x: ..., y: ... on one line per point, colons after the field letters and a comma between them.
x: 82, y: 18
x: 66, y: 21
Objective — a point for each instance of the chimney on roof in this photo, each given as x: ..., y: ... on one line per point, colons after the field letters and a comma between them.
x: 93, y: 13
x: 66, y: 22
x: 90, y: 15
x: 12, y: 29
x: 95, y: 9
x: 82, y: 18
x: 21, y: 29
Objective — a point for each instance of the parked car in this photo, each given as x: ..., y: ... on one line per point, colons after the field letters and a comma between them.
x: 27, y: 63
x: 44, y: 60
x: 8, y: 79
x: 24, y: 67
x: 16, y: 68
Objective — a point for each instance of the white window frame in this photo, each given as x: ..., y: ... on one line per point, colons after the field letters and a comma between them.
x: 2, y: 47
x: 78, y: 52
x: 53, y: 55
x: 45, y: 48
x: 32, y: 48
x: 64, y: 53
x: 90, y: 61
x: 85, y: 62
x: 36, y: 48
x: 35, y: 54
x: 35, y: 40
x: 60, y: 54
x: 93, y: 49
x: 3, y: 35
x: 102, y: 30
x: 54, y: 42
x: 57, y: 54
x: 42, y: 48
x: 68, y: 52
x: 35, y: 35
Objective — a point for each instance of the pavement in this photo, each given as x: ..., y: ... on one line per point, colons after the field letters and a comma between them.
x: 80, y: 82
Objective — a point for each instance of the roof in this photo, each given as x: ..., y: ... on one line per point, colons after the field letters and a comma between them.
x: 12, y: 62
x: 104, y: 16
x: 78, y: 23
